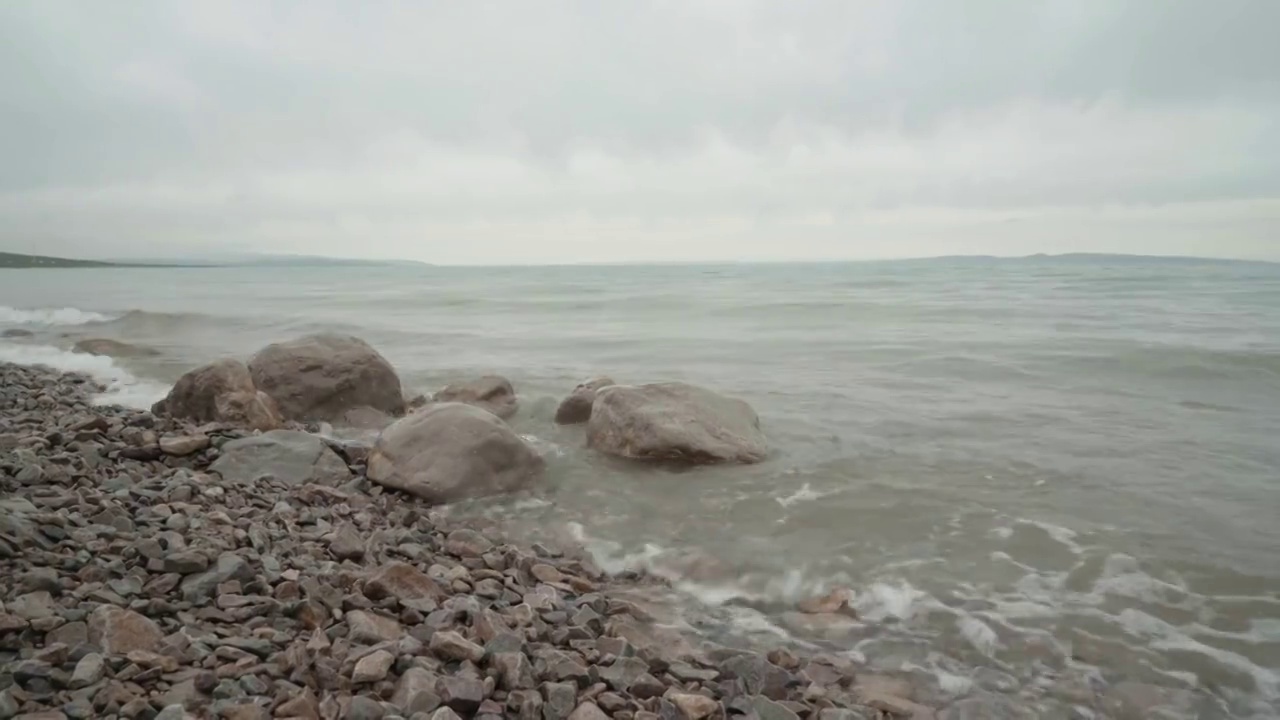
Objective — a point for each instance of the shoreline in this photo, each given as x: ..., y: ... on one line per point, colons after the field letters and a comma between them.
x: 138, y: 584
x: 263, y: 591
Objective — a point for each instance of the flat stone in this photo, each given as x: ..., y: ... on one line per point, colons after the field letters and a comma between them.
x: 371, y: 628
x: 118, y: 631
x: 372, y: 667
x: 182, y: 445
x: 693, y: 706
x: 449, y: 645
x: 415, y: 692
x: 403, y: 582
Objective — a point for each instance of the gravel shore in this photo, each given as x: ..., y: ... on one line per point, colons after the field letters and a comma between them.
x: 138, y: 582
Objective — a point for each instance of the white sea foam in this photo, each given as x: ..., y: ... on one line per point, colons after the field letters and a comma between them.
x: 122, y: 387
x: 979, y: 634
x: 804, y: 493
x: 883, y: 600
x: 49, y: 316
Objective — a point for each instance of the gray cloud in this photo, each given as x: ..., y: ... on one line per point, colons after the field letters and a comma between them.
x: 576, y: 131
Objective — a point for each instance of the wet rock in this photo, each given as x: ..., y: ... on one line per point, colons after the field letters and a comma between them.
x: 451, y: 451
x: 295, y: 458
x: 320, y: 377
x: 757, y: 676
x: 697, y: 707
x: 675, y: 422
x: 835, y: 601
x: 491, y: 393
x: 112, y: 348
x: 764, y: 708
x: 576, y: 408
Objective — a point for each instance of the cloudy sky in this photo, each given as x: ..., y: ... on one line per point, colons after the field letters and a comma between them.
x: 586, y: 131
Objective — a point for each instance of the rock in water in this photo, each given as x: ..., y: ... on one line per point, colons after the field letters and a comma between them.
x: 111, y: 348
x: 490, y: 392
x: 291, y: 456
x: 452, y: 451
x: 675, y: 422
x: 576, y: 408
x: 320, y: 377
x: 221, y: 391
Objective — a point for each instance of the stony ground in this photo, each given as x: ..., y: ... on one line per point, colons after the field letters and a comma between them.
x: 136, y: 583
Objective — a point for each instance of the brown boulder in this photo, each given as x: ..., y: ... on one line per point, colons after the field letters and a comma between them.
x: 451, y: 451
x: 576, y: 408
x: 221, y: 391
x: 675, y: 422
x: 491, y: 392
x: 321, y: 377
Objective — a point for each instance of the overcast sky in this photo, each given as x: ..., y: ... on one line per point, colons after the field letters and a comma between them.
x: 523, y: 132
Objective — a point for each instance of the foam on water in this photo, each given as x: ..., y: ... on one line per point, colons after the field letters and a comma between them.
x: 122, y: 387
x: 49, y: 316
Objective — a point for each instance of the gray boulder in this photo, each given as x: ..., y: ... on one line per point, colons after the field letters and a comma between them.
x: 491, y: 392
x: 320, y: 377
x: 452, y: 451
x: 675, y: 422
x: 221, y: 391
x: 291, y: 456
x: 576, y: 408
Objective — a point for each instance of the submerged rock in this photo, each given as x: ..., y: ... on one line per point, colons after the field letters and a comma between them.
x: 320, y: 377
x: 491, y: 392
x: 293, y: 457
x: 576, y: 408
x: 112, y: 348
x: 675, y: 422
x: 221, y: 391
x: 449, y: 452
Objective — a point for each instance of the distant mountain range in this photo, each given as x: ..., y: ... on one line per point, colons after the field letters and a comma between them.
x: 18, y: 260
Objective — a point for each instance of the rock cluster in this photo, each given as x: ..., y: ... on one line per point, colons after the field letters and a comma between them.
x: 146, y: 571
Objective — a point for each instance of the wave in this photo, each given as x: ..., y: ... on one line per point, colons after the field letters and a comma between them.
x: 50, y: 316
x: 122, y: 387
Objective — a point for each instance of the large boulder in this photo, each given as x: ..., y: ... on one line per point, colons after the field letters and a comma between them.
x: 112, y: 348
x: 320, y: 377
x: 491, y: 392
x: 221, y: 391
x: 576, y: 408
x: 675, y: 422
x: 452, y: 451
x: 294, y: 457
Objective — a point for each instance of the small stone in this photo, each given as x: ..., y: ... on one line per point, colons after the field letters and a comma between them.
x: 561, y: 699
x: 515, y: 672
x: 347, y: 543
x: 449, y: 645
x: 467, y: 544
x: 182, y: 445
x: 694, y: 707
x: 445, y: 713
x: 186, y: 562
x: 463, y: 694
x: 764, y: 708
x: 588, y: 711
x: 371, y: 628
x: 364, y: 708
x: 117, y: 631
x: 372, y: 667
x: 403, y: 582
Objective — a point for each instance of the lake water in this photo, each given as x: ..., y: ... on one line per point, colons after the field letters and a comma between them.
x: 1036, y: 474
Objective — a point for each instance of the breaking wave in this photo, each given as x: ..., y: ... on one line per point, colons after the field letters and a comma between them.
x: 122, y: 387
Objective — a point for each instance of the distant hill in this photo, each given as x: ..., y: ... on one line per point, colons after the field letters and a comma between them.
x: 17, y: 260
x: 14, y: 260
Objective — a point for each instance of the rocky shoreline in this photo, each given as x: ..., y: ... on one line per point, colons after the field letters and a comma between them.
x: 147, y: 576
